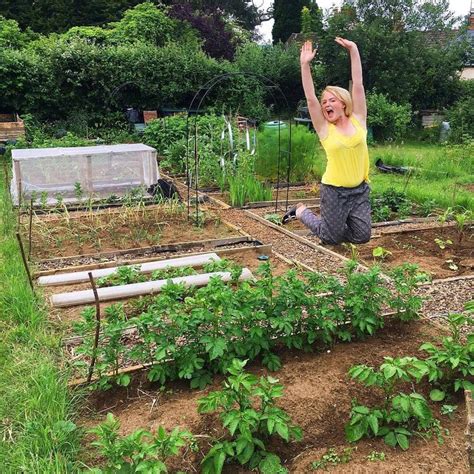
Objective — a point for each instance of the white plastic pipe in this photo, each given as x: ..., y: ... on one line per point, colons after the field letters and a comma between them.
x: 75, y: 298
x: 149, y: 267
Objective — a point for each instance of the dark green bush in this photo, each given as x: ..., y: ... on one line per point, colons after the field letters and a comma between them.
x: 461, y: 115
x: 388, y: 120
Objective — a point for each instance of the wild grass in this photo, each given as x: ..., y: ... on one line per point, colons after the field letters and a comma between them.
x: 442, y: 173
x: 37, y: 432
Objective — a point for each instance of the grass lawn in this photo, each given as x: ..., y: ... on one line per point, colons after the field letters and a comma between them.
x: 37, y: 433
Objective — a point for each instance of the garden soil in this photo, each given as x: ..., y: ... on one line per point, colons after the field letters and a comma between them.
x: 103, y: 233
x: 317, y: 396
x: 420, y: 247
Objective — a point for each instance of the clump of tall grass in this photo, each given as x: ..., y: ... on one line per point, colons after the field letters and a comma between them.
x: 247, y: 188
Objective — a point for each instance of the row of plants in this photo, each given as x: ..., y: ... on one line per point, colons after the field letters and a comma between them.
x: 250, y: 417
x: 127, y: 274
x: 194, y: 333
x: 391, y: 204
x: 448, y: 367
x: 124, y: 227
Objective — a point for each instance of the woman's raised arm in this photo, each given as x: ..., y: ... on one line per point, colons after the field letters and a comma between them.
x: 359, y: 105
x: 319, y: 122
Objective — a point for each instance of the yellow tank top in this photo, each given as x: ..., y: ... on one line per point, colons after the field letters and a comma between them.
x: 348, y: 157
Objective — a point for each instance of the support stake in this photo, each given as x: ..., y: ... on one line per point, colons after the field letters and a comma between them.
x: 25, y: 263
x: 30, y: 228
x: 5, y: 172
x: 97, y: 328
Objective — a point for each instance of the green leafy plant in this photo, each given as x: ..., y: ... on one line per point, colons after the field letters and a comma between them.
x: 448, y: 410
x: 364, y: 296
x: 381, y: 213
x: 273, y: 218
x: 380, y: 252
x: 140, y: 451
x: 375, y: 456
x: 446, y: 216
x: 332, y: 458
x: 462, y: 219
x: 404, y: 300
x: 249, y: 413
x: 78, y: 191
x: 124, y: 275
x: 427, y: 207
x: 110, y: 350
x: 173, y: 272
x: 442, y: 244
x: 387, y: 119
x: 354, y: 251
x: 390, y: 202
x: 401, y: 415
x: 44, y: 199
x: 450, y: 362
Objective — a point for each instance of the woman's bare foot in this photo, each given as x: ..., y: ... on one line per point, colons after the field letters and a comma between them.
x: 300, y: 207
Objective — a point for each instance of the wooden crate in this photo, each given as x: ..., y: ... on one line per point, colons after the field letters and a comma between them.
x: 11, y: 127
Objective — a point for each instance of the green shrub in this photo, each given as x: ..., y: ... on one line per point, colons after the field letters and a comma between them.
x: 461, y: 115
x: 402, y: 415
x: 163, y: 133
x: 388, y: 120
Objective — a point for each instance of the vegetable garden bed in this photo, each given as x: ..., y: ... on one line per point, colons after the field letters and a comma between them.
x: 81, y: 233
x: 307, y: 194
x: 441, y: 251
x: 245, y: 256
x: 317, y: 396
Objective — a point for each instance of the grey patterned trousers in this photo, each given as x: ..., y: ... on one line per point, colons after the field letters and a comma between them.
x: 345, y: 215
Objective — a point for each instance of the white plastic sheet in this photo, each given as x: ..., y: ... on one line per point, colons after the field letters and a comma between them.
x: 100, y: 170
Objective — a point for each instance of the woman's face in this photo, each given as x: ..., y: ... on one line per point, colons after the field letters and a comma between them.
x: 332, y: 107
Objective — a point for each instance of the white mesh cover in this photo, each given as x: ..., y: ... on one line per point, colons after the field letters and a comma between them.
x: 101, y: 170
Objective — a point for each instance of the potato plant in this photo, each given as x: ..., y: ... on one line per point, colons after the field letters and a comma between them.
x: 131, y: 274
x: 140, y: 451
x: 194, y: 333
x: 450, y: 362
x: 401, y: 415
x: 247, y: 409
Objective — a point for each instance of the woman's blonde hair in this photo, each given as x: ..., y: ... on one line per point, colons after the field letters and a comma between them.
x: 343, y: 95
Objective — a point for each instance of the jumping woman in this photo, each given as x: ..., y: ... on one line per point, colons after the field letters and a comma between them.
x: 340, y: 122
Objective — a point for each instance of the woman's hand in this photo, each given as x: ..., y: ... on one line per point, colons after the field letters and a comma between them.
x: 349, y: 45
x: 307, y: 53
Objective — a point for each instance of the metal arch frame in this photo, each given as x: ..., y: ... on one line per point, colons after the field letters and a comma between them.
x: 206, y: 88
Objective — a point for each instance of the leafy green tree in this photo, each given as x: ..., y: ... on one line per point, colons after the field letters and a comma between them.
x: 47, y: 16
x: 11, y: 35
x: 246, y: 13
x: 287, y: 16
x: 408, y: 49
x: 145, y: 23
